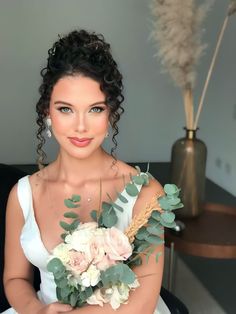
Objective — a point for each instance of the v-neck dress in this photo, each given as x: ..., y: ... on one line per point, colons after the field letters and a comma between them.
x: 36, y: 252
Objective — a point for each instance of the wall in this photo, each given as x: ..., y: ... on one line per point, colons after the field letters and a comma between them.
x: 154, y: 115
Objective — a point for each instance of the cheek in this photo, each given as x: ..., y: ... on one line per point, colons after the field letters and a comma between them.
x: 101, y: 125
x: 59, y: 125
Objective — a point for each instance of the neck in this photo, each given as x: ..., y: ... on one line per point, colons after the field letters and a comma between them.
x: 73, y: 170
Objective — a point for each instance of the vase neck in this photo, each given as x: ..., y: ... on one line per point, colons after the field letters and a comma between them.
x: 190, y: 134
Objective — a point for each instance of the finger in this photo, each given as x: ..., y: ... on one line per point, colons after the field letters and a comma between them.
x: 60, y: 308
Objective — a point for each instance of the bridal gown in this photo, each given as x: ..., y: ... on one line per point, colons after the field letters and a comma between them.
x: 38, y: 255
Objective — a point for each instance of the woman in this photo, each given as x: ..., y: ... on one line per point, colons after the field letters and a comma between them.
x: 81, y: 96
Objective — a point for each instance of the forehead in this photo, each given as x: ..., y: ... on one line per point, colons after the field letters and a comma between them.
x: 77, y: 89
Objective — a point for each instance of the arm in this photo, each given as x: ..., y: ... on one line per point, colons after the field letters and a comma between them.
x: 144, y: 298
x: 18, y: 274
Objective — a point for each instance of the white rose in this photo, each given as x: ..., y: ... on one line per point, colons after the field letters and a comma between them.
x: 61, y: 251
x: 91, y: 277
x: 97, y: 298
x: 119, y: 295
x: 79, y: 240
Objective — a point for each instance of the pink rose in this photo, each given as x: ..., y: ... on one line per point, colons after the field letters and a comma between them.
x: 117, y: 245
x: 77, y: 262
x: 97, y: 251
x: 105, y: 263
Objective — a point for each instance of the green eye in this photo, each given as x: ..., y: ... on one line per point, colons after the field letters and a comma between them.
x: 97, y: 109
x: 64, y: 109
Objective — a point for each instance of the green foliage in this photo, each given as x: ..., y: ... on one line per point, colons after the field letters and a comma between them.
x: 122, y: 198
x: 117, y: 273
x: 150, y: 236
x: 131, y: 189
x: 71, y: 215
x: 93, y: 215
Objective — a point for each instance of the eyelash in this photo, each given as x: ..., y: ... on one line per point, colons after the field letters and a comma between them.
x: 93, y: 109
x: 100, y: 109
x: 61, y: 109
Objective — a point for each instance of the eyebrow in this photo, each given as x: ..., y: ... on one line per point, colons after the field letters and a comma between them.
x: 61, y: 102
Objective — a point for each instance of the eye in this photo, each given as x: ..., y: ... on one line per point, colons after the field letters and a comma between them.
x: 64, y: 109
x: 97, y: 109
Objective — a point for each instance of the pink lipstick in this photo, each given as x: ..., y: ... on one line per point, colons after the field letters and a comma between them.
x: 80, y: 142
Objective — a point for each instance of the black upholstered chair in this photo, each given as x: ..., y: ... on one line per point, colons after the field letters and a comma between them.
x: 8, y: 177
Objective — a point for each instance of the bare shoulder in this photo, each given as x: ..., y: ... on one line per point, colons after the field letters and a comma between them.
x: 13, y: 208
x: 124, y: 168
x: 148, y: 192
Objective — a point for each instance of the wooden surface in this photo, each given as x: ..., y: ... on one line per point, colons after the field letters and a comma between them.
x: 212, y: 234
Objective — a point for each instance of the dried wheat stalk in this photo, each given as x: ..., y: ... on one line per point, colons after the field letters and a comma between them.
x: 142, y: 218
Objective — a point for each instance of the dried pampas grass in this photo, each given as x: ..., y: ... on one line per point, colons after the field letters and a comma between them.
x: 177, y: 32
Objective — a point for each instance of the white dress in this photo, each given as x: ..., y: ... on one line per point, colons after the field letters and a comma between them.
x: 38, y: 255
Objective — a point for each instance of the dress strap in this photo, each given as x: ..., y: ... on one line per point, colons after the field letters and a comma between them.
x: 24, y: 195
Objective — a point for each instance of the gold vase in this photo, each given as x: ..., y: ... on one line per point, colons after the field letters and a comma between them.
x: 188, y: 166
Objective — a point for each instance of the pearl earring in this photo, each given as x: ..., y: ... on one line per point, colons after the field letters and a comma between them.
x: 48, y: 131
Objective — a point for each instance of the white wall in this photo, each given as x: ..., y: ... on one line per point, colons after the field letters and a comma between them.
x: 153, y: 117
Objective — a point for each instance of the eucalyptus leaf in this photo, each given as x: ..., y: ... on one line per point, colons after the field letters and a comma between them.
x: 114, y: 205
x: 58, y: 293
x: 170, y: 189
x: 154, y: 239
x: 156, y: 215
x: 61, y: 283
x: 142, y: 247
x: 59, y: 275
x: 131, y: 189
x: 142, y: 233
x: 137, y: 261
x: 74, y: 225
x: 74, y: 298
x: 55, y: 265
x: 70, y: 204
x: 149, y: 253
x: 163, y: 202
x: 88, y: 291
x: 166, y: 224
x: 93, y: 215
x: 139, y: 180
x: 155, y: 230
x: 65, y: 225
x: 127, y: 275
x: 75, y: 198
x: 174, y: 201
x: 109, y: 220
x: 65, y: 292
x: 152, y: 221
x: 146, y: 178
x: 122, y: 198
x: 168, y: 217
x: 71, y: 215
x: 157, y: 256
x: 106, y: 206
x: 180, y: 205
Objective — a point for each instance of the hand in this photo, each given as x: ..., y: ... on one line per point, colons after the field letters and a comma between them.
x: 55, y: 308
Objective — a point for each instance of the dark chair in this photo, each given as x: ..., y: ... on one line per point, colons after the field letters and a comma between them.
x: 8, y: 177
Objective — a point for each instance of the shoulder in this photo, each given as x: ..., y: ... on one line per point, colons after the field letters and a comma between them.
x: 124, y: 168
x: 147, y: 195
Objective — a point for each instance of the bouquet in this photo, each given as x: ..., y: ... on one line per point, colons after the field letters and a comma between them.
x: 93, y: 264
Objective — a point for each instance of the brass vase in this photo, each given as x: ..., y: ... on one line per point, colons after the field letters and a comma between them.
x: 188, y: 166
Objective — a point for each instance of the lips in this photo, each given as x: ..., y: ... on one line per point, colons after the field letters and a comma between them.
x: 80, y: 142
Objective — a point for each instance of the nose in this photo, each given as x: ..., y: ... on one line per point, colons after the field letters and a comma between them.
x: 81, y: 123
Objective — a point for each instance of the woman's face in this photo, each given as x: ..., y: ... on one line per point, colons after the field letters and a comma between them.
x: 79, y: 115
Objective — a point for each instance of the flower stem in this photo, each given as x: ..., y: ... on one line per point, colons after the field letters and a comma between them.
x: 211, y: 69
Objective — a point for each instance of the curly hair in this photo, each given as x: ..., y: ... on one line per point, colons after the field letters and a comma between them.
x: 80, y: 52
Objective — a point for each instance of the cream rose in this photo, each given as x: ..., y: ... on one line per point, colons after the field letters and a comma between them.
x: 117, y: 245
